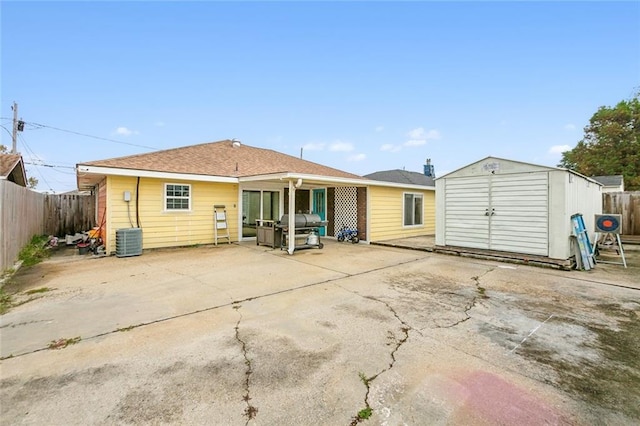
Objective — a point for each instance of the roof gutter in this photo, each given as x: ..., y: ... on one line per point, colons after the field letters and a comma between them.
x: 400, y: 185
x: 334, y: 180
x: 113, y: 171
x: 305, y: 177
x: 82, y: 169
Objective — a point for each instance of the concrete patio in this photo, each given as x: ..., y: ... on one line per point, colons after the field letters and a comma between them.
x: 243, y: 334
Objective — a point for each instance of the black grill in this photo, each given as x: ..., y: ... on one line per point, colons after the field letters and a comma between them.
x: 303, y: 221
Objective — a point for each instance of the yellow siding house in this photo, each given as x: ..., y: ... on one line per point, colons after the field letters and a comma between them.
x: 170, y: 196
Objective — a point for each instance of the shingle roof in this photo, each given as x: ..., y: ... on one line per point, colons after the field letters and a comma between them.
x: 7, y: 163
x: 12, y: 168
x: 402, y: 176
x: 221, y: 159
x: 614, y: 180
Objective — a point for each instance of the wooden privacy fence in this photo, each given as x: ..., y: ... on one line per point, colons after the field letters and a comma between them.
x: 68, y: 213
x: 628, y: 205
x: 20, y: 219
x: 25, y: 213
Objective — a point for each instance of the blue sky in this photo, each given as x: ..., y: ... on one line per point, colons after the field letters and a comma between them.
x: 361, y: 86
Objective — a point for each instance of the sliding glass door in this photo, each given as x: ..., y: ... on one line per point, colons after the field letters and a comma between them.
x: 256, y: 205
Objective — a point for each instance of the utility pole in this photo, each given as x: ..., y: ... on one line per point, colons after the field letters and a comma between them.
x: 14, y: 135
x: 18, y: 126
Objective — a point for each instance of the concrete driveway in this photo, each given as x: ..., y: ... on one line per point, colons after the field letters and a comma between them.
x: 241, y: 334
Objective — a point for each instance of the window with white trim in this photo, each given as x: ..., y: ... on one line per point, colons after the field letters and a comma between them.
x: 412, y: 209
x: 177, y: 196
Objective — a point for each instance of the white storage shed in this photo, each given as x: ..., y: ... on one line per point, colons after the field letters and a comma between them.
x: 511, y: 206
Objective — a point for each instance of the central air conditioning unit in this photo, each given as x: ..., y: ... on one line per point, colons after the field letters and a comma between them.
x: 128, y: 242
x: 609, y: 223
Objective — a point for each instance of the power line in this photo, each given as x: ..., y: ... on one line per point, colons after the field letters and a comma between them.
x: 90, y: 136
x: 7, y: 130
x: 24, y: 142
x: 50, y: 165
x: 41, y: 163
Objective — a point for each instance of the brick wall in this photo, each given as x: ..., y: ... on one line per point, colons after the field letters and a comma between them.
x: 331, y: 214
x: 362, y: 213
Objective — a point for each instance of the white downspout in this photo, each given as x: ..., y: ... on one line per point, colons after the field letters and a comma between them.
x: 292, y: 218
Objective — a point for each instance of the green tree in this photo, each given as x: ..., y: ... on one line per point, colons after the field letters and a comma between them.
x: 3, y: 149
x: 32, y: 182
x: 611, y: 144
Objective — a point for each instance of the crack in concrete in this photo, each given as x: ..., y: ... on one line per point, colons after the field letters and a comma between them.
x: 18, y: 324
x: 405, y: 329
x: 479, y: 294
x: 250, y: 411
x: 215, y: 307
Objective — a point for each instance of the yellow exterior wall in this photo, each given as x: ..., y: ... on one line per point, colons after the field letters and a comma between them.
x: 162, y: 228
x: 386, y: 213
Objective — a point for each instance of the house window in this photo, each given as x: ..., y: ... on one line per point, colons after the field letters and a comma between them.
x: 412, y: 209
x: 177, y: 197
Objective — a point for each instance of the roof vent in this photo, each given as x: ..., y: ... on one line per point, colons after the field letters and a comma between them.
x: 235, y: 143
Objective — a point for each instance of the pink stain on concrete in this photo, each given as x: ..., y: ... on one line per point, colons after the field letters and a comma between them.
x: 488, y: 398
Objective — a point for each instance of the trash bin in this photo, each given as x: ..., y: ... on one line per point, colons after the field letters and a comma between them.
x: 83, y: 248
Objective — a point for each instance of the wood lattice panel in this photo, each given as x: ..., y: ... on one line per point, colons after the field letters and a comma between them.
x: 346, y: 208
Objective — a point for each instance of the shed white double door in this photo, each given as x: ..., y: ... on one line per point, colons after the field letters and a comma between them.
x: 506, y: 212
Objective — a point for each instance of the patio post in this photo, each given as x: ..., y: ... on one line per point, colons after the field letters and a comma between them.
x: 292, y: 217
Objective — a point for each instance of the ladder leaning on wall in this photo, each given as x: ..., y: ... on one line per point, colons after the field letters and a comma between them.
x: 220, y: 227
x: 584, y: 258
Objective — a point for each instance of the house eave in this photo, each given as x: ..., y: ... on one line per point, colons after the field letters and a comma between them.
x: 330, y: 180
x: 400, y: 185
x: 307, y: 178
x: 88, y: 175
x: 86, y: 171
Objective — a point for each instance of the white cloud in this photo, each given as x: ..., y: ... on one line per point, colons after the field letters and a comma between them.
x: 416, y: 133
x: 312, y: 146
x: 339, y: 146
x: 569, y: 126
x: 123, y: 131
x: 357, y: 157
x: 379, y: 129
x: 159, y: 124
x: 419, y: 137
x: 559, y: 149
x: 390, y: 147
